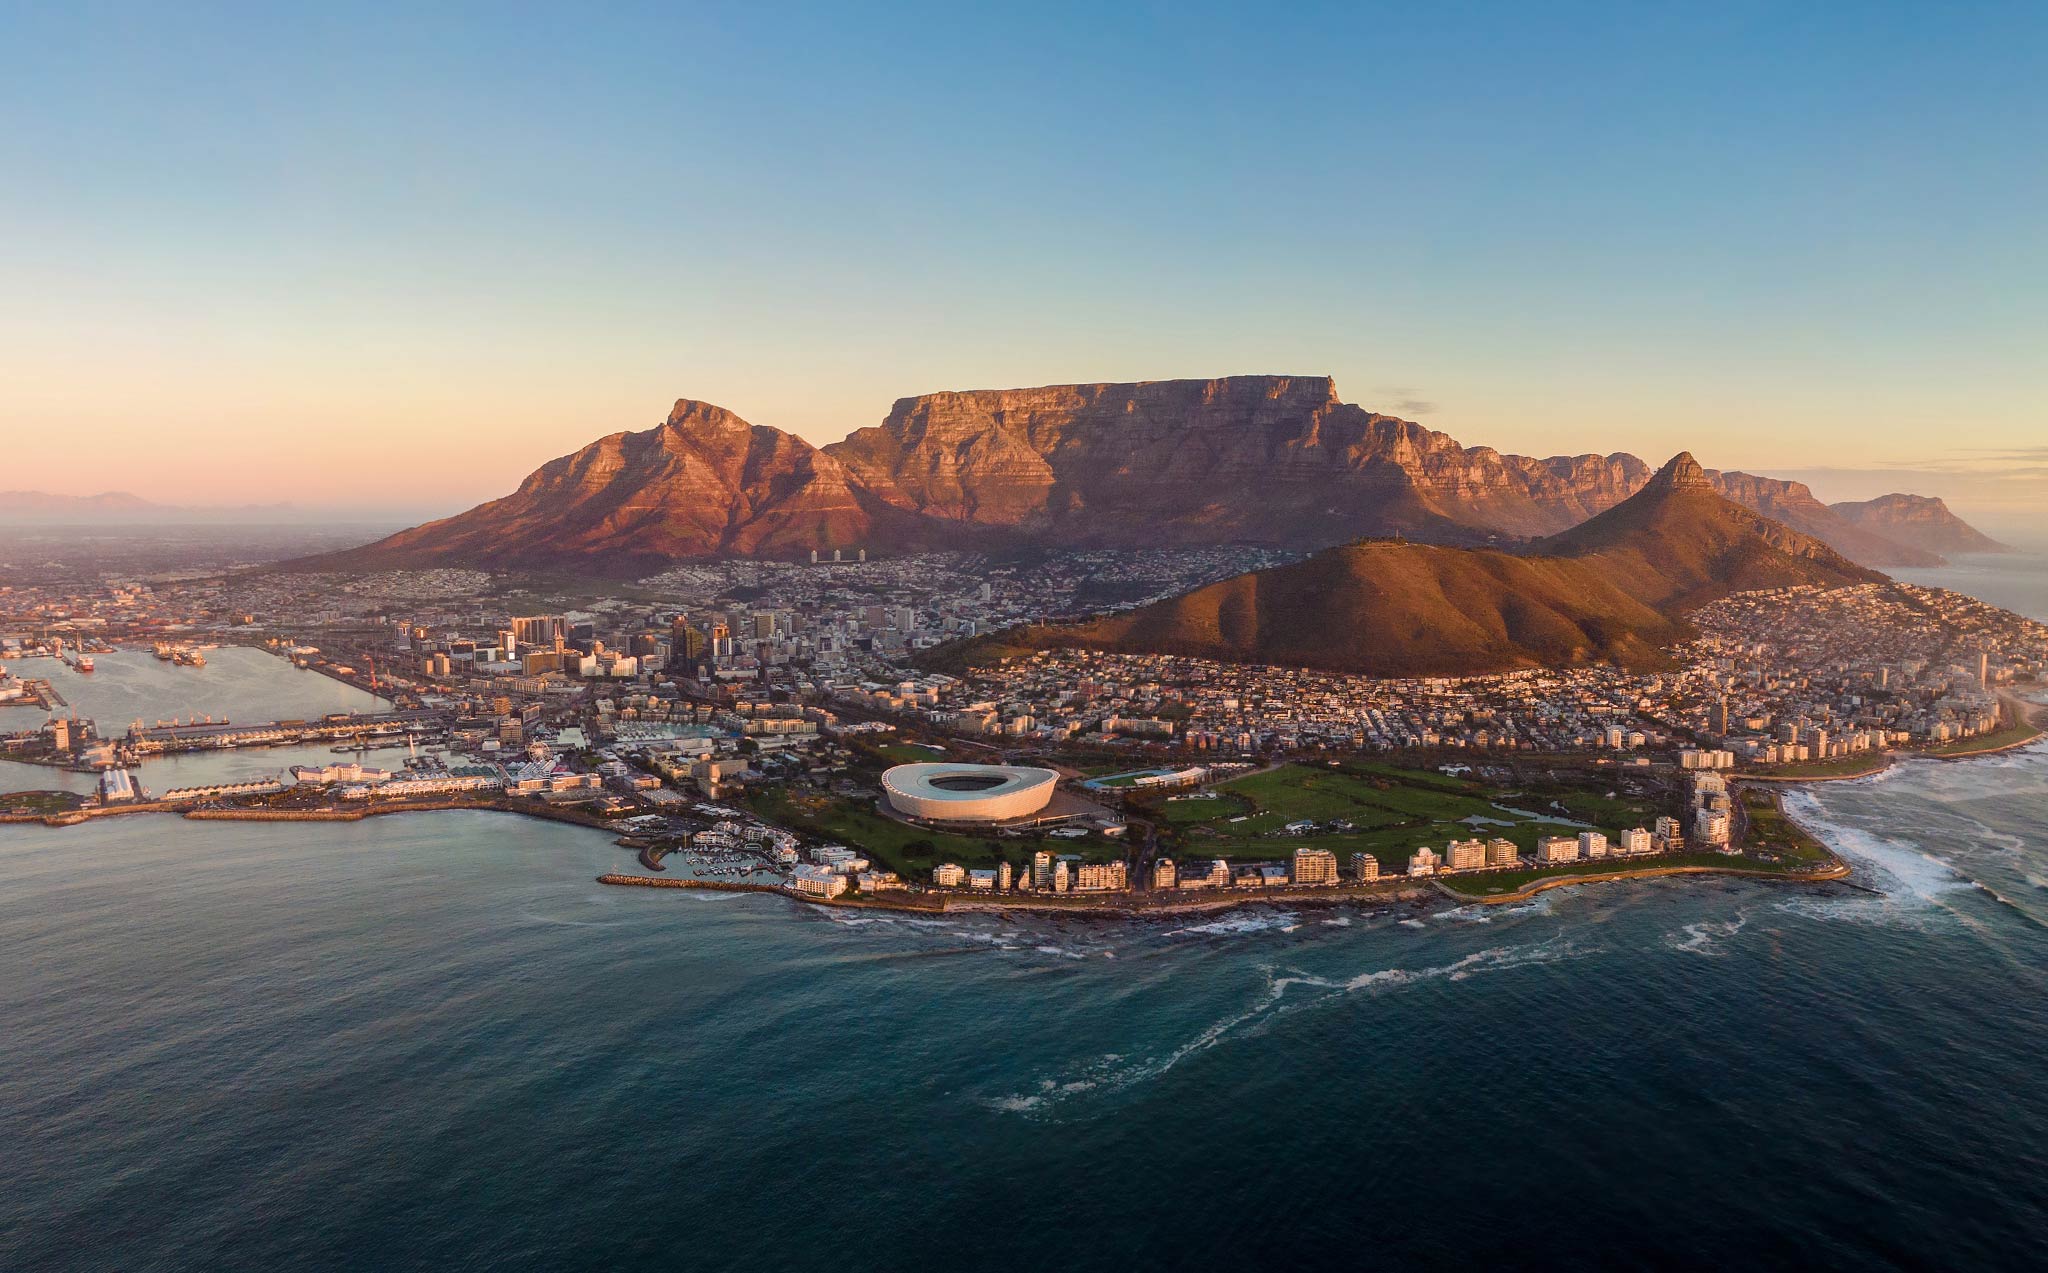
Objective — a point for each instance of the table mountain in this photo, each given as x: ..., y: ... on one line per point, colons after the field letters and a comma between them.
x: 1264, y: 459
x: 1275, y: 460
x: 1921, y: 521
x: 1613, y: 589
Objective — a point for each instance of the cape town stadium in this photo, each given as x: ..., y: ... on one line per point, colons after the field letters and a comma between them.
x: 968, y: 793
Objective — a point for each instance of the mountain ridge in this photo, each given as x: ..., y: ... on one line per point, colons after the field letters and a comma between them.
x: 1270, y: 459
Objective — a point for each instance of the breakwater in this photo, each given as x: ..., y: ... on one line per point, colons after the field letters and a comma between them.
x: 683, y: 881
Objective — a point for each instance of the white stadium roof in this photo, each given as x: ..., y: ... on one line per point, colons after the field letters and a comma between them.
x: 968, y: 793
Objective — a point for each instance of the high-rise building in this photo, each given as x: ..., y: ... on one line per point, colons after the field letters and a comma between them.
x: 1163, y: 874
x: 1557, y: 848
x: 1465, y: 855
x: 1096, y: 877
x: 1314, y: 867
x: 1425, y: 861
x: 1592, y: 844
x: 540, y: 629
x: 1365, y: 866
x: 1502, y: 852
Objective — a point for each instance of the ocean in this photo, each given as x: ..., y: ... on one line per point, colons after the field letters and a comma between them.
x: 435, y: 1042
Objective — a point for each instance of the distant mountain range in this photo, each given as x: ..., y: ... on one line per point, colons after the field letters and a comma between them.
x: 116, y: 508
x: 1919, y: 521
x: 40, y: 505
x: 1274, y: 460
x: 1615, y: 588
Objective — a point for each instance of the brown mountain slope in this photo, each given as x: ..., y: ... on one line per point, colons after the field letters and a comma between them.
x: 1388, y: 608
x: 703, y: 483
x: 1920, y: 521
x: 1614, y: 589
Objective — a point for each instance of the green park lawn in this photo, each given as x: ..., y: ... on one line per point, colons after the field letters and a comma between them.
x: 39, y: 802
x: 1840, y: 767
x: 1770, y: 829
x: 2018, y: 732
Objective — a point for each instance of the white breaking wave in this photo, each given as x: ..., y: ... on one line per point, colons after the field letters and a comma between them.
x: 1111, y: 1074
x: 1285, y: 921
x: 1705, y: 937
x: 1473, y: 914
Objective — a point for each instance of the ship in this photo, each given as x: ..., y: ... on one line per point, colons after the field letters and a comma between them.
x: 163, y: 650
x: 187, y: 657
x: 84, y: 663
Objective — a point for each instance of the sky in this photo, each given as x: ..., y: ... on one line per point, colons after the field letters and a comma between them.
x: 383, y: 259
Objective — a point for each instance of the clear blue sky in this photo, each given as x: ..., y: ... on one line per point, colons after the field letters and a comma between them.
x: 235, y: 241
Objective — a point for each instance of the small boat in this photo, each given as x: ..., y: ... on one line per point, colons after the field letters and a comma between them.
x: 84, y: 663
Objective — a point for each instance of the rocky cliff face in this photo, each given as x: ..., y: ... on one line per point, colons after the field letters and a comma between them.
x: 1276, y: 460
x: 1269, y: 459
x: 1264, y: 459
x: 1918, y: 521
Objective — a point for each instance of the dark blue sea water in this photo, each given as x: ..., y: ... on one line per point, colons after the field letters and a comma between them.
x: 435, y: 1042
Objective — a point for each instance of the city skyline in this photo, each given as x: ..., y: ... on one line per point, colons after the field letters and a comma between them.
x: 1796, y: 245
